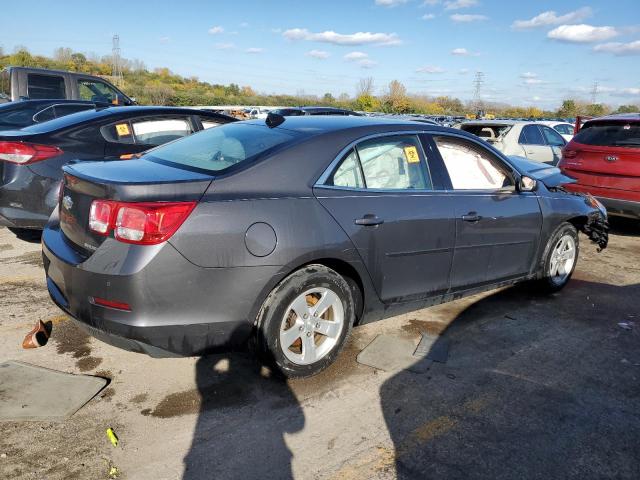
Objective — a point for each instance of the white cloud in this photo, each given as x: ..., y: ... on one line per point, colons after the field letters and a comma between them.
x: 361, y: 59
x: 582, y: 33
x: 215, y: 30
x: 329, y: 36
x: 466, y: 18
x: 355, y: 56
x: 254, y: 50
x: 458, y: 4
x: 367, y: 63
x: 526, y: 75
x: 533, y: 81
x: 463, y: 52
x: 430, y: 3
x: 224, y: 46
x: 631, y: 91
x: 617, y: 48
x: 463, y: 71
x: 430, y: 69
x: 244, y: 24
x: 319, y: 54
x: 390, y: 3
x: 550, y: 17
x: 428, y: 16
x: 165, y: 39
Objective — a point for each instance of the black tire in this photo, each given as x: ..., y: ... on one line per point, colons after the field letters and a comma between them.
x: 273, y: 311
x: 548, y: 283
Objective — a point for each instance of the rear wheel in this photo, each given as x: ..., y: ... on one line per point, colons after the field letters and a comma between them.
x: 560, y: 258
x: 305, y: 321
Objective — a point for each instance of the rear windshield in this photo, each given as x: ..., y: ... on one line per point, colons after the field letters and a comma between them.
x: 610, y: 134
x: 219, y: 148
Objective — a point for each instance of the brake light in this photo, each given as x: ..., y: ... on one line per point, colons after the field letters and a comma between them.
x: 138, y: 223
x: 23, y: 153
x: 569, y: 154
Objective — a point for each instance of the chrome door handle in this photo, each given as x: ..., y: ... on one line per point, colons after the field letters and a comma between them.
x: 472, y: 217
x: 369, y: 220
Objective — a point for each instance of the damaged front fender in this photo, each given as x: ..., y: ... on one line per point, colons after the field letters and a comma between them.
x: 596, y: 227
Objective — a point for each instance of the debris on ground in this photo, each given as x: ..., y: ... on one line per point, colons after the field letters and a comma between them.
x: 38, y: 336
x: 114, y: 472
x: 111, y: 435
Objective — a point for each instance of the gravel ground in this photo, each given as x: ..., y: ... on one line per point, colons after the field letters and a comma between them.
x: 535, y: 387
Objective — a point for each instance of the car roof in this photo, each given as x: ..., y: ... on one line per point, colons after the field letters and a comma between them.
x: 629, y: 117
x: 115, y: 112
x: 314, y: 125
x: 48, y: 70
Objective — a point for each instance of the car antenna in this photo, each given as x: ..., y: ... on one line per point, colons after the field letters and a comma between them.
x: 274, y: 119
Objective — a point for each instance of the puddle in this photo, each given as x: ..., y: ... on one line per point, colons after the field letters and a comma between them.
x: 72, y: 339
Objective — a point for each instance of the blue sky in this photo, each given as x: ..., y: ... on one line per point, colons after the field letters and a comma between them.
x: 531, y: 52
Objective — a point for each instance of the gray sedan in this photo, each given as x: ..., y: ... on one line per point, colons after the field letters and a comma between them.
x: 292, y: 231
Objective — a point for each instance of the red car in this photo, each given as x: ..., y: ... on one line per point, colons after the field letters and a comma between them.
x: 604, y: 158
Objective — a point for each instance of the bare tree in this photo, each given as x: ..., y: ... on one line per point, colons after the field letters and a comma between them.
x: 365, y: 87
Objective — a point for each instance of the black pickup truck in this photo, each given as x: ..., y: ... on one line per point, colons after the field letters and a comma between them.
x: 24, y: 83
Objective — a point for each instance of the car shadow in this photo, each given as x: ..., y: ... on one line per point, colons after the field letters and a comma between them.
x: 243, y: 417
x: 626, y: 227
x: 534, y: 387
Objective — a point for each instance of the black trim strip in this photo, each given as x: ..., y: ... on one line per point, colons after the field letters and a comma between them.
x: 418, y: 252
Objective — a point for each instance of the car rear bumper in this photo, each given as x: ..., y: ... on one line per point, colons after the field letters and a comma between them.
x: 176, y: 307
x: 613, y: 200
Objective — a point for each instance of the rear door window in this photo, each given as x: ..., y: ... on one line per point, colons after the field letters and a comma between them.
x: 45, y: 86
x: 348, y: 174
x: 531, y: 135
x: 564, y: 129
x: 158, y: 131
x: 610, y: 134
x: 471, y: 167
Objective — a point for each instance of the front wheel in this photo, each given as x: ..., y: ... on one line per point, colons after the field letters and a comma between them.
x: 305, y: 321
x: 560, y: 258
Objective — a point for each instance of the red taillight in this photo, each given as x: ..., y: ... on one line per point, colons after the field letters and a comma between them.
x: 23, y: 153
x: 110, y: 303
x: 138, y: 223
x: 569, y: 154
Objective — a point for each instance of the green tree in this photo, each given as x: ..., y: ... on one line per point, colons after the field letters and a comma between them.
x: 568, y: 109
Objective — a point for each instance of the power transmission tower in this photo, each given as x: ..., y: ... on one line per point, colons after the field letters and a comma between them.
x: 116, y: 67
x: 594, y: 93
x: 478, y: 82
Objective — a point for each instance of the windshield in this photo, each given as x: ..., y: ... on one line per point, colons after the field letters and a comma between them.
x: 219, y: 148
x: 610, y: 134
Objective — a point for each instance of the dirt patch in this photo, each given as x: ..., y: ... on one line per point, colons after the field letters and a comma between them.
x: 221, y: 395
x: 104, y: 374
x: 4, y: 247
x: 88, y: 363
x: 70, y: 338
x: 140, y: 398
x: 30, y: 258
x: 22, y: 296
x: 417, y: 327
x: 107, y: 394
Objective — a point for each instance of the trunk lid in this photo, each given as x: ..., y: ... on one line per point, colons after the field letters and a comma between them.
x: 126, y: 181
x: 605, y: 155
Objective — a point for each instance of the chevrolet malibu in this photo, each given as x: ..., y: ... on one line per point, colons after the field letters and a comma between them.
x: 291, y: 231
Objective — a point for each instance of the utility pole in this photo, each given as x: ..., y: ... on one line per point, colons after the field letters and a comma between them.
x: 116, y: 63
x: 594, y: 93
x: 478, y: 82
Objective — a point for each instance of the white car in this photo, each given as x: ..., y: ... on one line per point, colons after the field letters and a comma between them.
x: 567, y: 130
x: 532, y: 140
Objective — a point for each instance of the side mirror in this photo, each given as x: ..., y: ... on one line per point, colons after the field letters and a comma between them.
x: 527, y: 184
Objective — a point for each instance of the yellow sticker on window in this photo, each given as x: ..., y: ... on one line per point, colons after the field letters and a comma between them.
x: 123, y: 129
x: 411, y: 153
